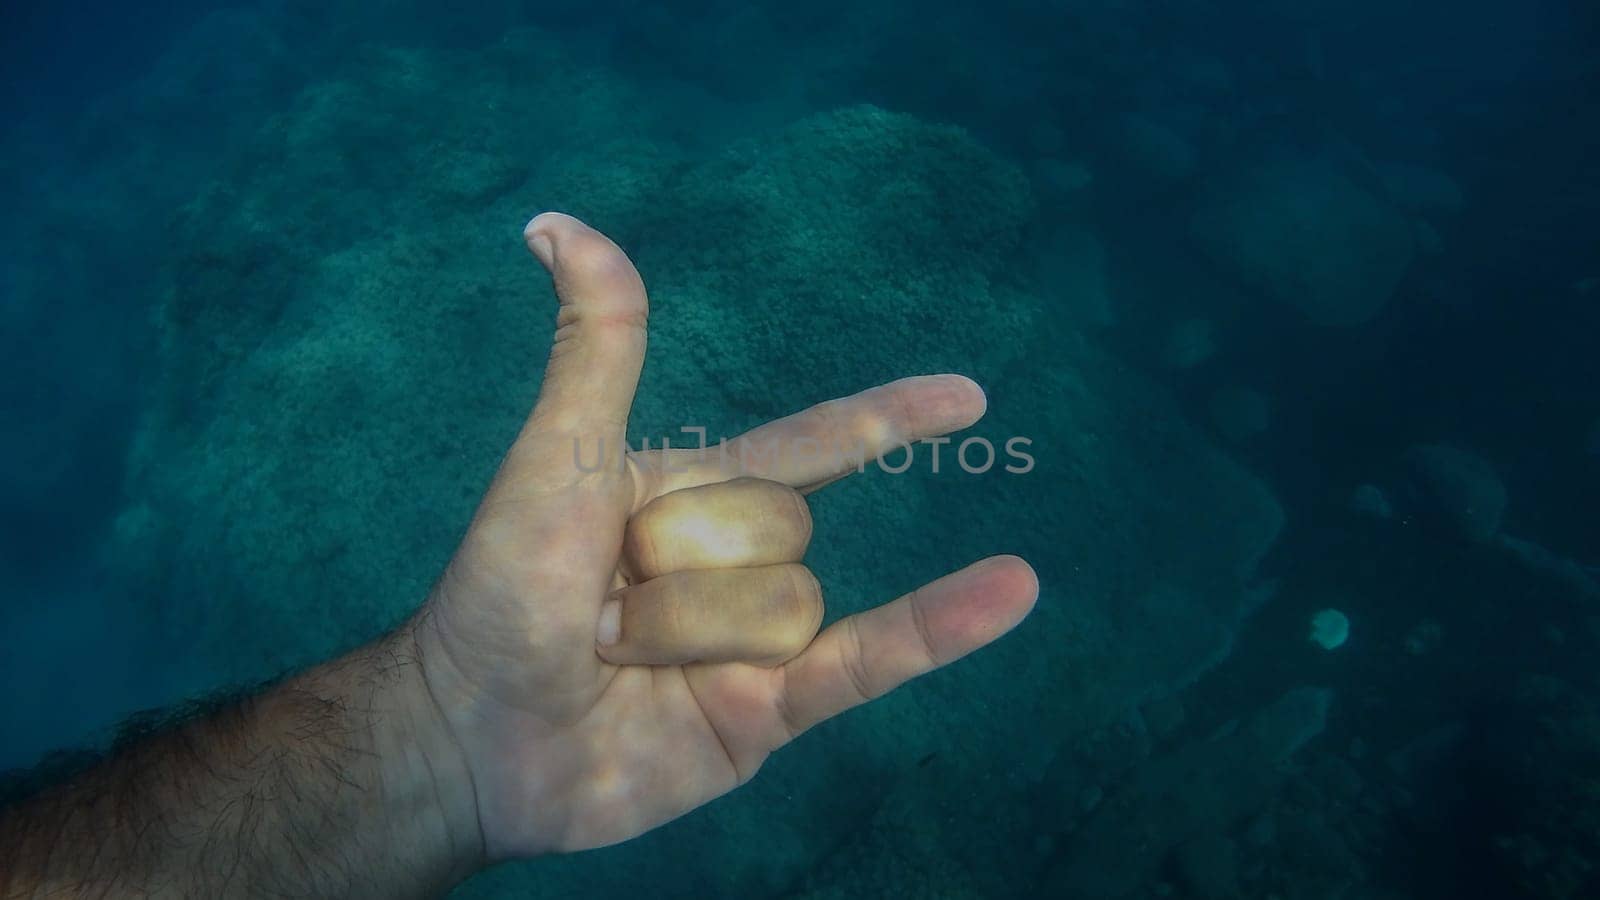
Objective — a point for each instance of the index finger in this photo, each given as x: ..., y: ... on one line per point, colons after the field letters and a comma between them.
x: 819, y: 445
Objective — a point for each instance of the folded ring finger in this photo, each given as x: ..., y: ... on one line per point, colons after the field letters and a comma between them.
x: 762, y: 615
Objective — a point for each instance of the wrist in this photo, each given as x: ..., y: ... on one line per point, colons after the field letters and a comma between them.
x: 430, y: 794
x: 519, y: 807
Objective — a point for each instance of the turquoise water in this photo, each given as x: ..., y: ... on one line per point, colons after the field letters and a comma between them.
x: 1295, y: 302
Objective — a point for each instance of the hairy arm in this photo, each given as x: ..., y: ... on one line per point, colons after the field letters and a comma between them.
x: 342, y: 781
x: 592, y: 686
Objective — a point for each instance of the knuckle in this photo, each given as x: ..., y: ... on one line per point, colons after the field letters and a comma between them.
x: 802, y: 607
x: 899, y: 411
x: 785, y: 506
x: 853, y: 661
x: 668, y: 626
x: 639, y: 544
x: 800, y: 514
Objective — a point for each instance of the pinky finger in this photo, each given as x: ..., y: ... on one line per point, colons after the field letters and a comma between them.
x: 866, y: 655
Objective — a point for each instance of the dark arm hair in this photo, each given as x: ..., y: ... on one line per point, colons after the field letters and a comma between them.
x: 341, y: 781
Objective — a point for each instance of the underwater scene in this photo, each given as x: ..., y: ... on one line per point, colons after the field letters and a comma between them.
x: 1286, y: 317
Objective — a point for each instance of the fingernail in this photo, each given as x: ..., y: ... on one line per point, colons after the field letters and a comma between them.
x: 609, y: 629
x: 542, y: 248
x: 537, y: 236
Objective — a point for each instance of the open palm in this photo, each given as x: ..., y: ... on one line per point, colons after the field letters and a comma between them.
x: 622, y: 637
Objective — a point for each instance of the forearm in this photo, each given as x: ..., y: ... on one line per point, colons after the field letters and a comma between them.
x: 342, y: 781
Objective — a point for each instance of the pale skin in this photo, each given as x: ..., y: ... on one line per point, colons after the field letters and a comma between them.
x: 610, y: 648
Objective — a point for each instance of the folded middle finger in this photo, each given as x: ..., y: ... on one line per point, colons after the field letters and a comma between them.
x: 741, y: 523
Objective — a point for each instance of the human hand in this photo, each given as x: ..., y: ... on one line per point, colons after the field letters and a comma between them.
x: 613, y: 646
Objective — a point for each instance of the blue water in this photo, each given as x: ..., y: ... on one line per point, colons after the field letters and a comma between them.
x: 1297, y: 302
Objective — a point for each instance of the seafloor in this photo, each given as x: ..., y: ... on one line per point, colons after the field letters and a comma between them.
x: 274, y: 326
